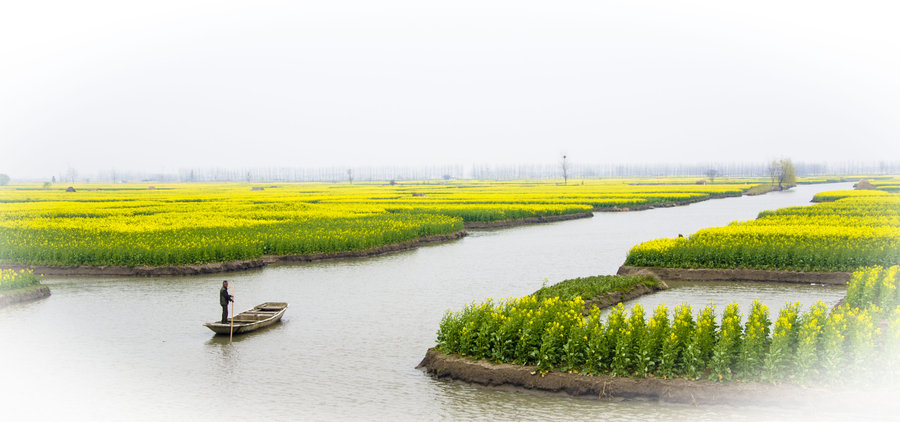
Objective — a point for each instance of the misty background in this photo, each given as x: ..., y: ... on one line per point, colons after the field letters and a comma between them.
x: 166, y: 88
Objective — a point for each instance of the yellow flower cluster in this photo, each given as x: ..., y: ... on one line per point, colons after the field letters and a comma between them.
x: 12, y: 279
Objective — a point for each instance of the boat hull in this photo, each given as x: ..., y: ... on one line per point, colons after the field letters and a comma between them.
x: 260, y: 316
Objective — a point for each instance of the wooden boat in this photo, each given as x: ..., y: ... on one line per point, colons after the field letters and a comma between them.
x: 260, y: 316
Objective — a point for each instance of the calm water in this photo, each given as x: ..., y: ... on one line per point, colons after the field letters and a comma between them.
x: 134, y: 348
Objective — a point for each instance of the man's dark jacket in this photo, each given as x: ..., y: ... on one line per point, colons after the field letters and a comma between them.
x: 224, y: 297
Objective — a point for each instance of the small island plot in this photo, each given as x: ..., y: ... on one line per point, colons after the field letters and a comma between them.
x: 545, y: 342
x: 260, y: 316
x: 20, y: 286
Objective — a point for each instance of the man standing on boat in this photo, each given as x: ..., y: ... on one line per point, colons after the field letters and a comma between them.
x: 224, y: 298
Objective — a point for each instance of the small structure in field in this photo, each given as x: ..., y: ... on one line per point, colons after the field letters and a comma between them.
x: 418, y: 194
x: 257, y: 188
x: 70, y: 189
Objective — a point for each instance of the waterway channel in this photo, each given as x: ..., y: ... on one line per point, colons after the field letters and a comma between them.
x: 118, y: 348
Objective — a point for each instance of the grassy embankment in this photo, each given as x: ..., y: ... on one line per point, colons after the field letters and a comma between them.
x: 182, y: 224
x: 20, y: 286
x: 12, y: 279
x: 601, y: 291
x: 595, y: 286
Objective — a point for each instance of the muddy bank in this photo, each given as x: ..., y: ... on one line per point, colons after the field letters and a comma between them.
x: 614, y: 298
x: 552, y: 218
x: 25, y: 294
x: 605, y: 387
x: 667, y: 205
x: 737, y: 274
x: 115, y: 270
x: 761, y: 190
x: 240, y: 265
x: 478, y: 225
x: 381, y: 250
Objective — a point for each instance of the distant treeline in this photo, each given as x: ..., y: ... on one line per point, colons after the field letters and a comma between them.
x: 489, y: 172
x: 701, y: 170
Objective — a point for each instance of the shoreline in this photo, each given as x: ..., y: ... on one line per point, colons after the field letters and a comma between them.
x: 541, y: 219
x: 259, y: 263
x: 669, y: 204
x: 738, y: 274
x: 614, y: 298
x: 606, y: 387
x: 24, y: 294
x: 232, y: 266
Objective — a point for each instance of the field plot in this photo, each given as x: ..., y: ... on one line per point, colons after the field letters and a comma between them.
x: 860, y: 338
x: 859, y: 228
x: 180, y: 224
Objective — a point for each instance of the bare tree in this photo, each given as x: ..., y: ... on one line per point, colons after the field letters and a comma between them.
x: 565, y: 169
x: 711, y: 174
x: 350, y: 175
x: 782, y: 172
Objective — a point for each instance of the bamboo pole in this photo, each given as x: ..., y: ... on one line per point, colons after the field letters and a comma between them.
x: 231, y: 334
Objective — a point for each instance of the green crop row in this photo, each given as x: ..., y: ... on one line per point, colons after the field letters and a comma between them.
x: 797, y: 346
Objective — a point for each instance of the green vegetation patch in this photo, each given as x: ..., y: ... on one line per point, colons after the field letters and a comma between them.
x: 591, y: 287
x: 859, y: 339
x: 12, y: 279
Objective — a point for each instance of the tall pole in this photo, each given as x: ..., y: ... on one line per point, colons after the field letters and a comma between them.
x: 231, y: 334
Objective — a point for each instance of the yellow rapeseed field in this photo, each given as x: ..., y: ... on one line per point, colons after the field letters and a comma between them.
x: 860, y: 228
x: 173, y: 224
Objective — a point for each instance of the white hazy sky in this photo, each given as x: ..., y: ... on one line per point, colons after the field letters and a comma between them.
x: 162, y: 85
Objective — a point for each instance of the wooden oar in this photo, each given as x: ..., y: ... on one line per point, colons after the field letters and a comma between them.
x: 231, y: 334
